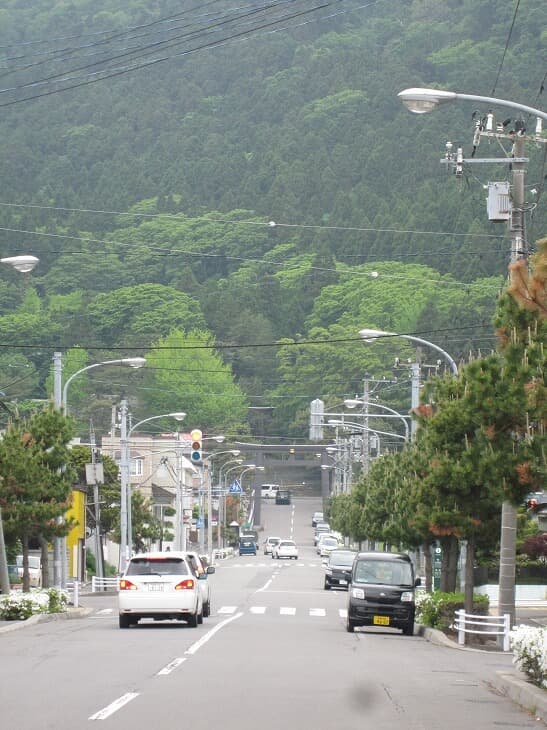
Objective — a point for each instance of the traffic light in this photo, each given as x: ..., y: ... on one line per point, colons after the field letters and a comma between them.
x: 195, y: 450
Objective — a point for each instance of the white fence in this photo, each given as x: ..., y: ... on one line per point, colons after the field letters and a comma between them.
x: 73, y: 590
x: 104, y: 584
x: 223, y: 553
x: 466, y: 623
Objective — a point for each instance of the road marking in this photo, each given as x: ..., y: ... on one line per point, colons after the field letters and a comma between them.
x: 258, y: 609
x: 105, y: 610
x: 265, y: 586
x: 114, y: 706
x: 287, y: 611
x: 168, y: 668
x: 317, y: 612
x: 227, y: 609
x: 209, y: 635
x: 343, y: 612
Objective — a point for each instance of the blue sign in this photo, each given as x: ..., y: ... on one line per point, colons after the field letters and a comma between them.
x: 235, y: 487
x: 199, y: 523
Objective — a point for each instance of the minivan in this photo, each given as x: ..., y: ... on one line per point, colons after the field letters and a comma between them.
x: 381, y: 592
x: 283, y: 496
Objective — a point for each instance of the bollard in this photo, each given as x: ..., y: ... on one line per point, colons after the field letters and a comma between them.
x: 461, y: 626
x: 506, y: 630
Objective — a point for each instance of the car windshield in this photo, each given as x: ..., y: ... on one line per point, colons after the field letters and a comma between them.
x: 157, y: 566
x: 386, y: 572
x: 329, y: 542
x: 273, y: 540
x: 344, y: 559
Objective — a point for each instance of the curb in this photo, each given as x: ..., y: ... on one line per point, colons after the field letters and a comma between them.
x: 513, y: 685
x: 41, y: 618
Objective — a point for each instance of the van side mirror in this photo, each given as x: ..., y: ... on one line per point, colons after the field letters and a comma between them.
x: 417, y: 582
x: 211, y: 569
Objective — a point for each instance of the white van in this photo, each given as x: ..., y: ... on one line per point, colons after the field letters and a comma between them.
x: 269, y: 491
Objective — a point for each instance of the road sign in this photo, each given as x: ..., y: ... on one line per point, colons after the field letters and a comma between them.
x: 235, y: 487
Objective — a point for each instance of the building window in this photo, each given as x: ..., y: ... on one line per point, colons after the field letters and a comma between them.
x: 137, y: 467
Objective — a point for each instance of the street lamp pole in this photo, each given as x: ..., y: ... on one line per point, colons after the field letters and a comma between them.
x: 23, y: 264
x: 209, y: 460
x: 420, y: 101
x: 126, y: 537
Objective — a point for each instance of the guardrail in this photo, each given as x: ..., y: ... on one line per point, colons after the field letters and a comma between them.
x: 103, y: 584
x: 223, y: 553
x: 500, y: 626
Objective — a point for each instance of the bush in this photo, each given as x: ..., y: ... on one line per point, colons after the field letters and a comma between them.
x: 529, y: 647
x: 19, y: 606
x: 437, y: 609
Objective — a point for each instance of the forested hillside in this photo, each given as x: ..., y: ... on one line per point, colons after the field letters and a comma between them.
x: 235, y: 191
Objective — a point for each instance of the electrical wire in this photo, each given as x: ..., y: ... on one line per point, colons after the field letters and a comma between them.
x: 506, y: 47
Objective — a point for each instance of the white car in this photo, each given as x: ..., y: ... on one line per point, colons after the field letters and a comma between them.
x: 202, y: 571
x: 285, y: 549
x: 159, y: 586
x: 269, y: 544
x: 34, y: 570
x: 327, y: 545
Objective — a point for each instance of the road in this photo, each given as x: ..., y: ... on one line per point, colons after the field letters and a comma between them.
x: 273, y: 655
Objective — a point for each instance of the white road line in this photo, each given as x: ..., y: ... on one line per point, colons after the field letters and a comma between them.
x: 105, y: 610
x: 265, y: 586
x: 343, y: 612
x: 227, y: 609
x: 168, y: 668
x: 258, y: 609
x: 114, y: 706
x: 317, y: 612
x: 209, y: 635
x: 287, y: 611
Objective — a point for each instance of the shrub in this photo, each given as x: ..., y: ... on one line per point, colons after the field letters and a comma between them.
x: 437, y: 609
x: 20, y: 606
x: 529, y: 647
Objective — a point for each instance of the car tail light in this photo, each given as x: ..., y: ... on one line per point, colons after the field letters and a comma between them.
x: 184, y: 585
x: 126, y: 585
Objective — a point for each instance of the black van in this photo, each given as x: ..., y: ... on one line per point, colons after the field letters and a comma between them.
x: 381, y: 592
x: 283, y: 496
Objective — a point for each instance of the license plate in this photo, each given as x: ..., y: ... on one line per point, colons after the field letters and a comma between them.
x: 155, y: 586
x: 380, y: 620
x: 343, y: 582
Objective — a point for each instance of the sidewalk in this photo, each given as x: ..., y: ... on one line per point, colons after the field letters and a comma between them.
x: 513, y: 685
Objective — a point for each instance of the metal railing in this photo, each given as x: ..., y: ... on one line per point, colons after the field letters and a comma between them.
x: 466, y: 623
x: 104, y: 584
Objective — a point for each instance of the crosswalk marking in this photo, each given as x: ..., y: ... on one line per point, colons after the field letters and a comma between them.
x: 284, y: 611
x: 317, y: 612
x: 287, y: 611
x: 258, y: 609
x: 227, y: 609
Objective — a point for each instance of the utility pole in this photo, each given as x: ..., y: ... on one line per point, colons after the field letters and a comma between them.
x: 97, y: 507
x: 58, y: 542
x: 124, y: 474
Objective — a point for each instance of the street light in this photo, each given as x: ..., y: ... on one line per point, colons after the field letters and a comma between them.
x: 24, y: 264
x: 125, y: 496
x: 207, y: 460
x: 132, y: 362
x: 354, y: 402
x: 370, y: 335
x: 421, y: 101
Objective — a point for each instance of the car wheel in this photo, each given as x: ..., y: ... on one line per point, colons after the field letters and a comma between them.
x: 408, y: 630
x: 350, y: 626
x: 207, y: 609
x: 193, y: 620
x: 200, y: 617
x: 327, y: 586
x: 125, y: 622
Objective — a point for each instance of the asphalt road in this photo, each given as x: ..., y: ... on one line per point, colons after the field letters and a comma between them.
x: 274, y: 655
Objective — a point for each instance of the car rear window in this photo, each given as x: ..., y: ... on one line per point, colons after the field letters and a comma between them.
x: 153, y: 566
x: 338, y: 558
x: 286, y: 543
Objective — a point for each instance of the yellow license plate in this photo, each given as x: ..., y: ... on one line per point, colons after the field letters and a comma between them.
x: 380, y: 620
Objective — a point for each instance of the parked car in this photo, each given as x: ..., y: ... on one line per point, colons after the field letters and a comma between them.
x: 199, y: 565
x: 317, y: 517
x: 34, y: 569
x: 327, y: 545
x: 285, y: 549
x: 338, y: 568
x: 247, y: 545
x: 319, y: 528
x: 159, y: 585
x: 269, y: 543
x: 381, y: 592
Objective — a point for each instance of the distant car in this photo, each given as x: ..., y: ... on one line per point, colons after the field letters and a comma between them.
x: 269, y: 491
x: 327, y: 545
x: 269, y: 543
x: 317, y: 517
x: 338, y: 569
x: 319, y: 528
x: 159, y: 585
x: 34, y: 569
x: 247, y: 545
x: 285, y: 549
x: 283, y: 496
x: 202, y: 570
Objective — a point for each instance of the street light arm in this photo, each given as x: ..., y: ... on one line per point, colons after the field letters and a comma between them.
x: 179, y: 416
x: 134, y: 362
x: 365, y: 428
x: 421, y: 101
x: 370, y: 335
